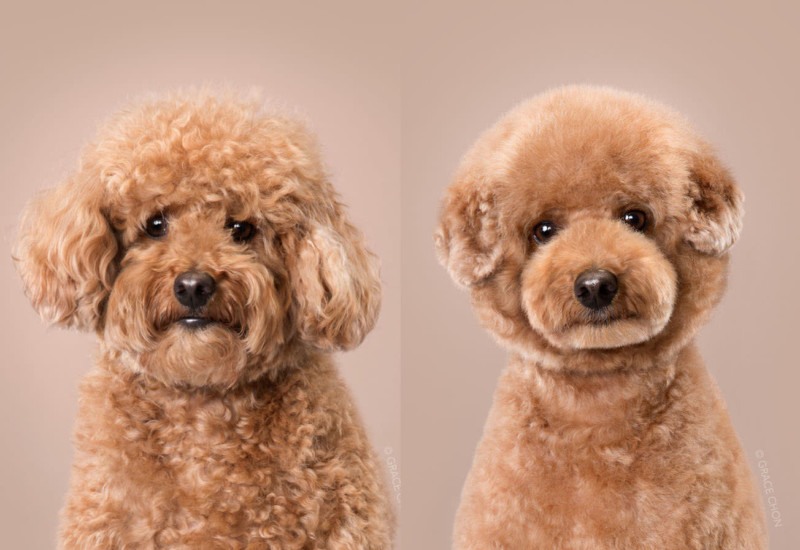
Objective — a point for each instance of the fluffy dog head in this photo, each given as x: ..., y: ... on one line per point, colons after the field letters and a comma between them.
x: 591, y: 228
x: 201, y: 239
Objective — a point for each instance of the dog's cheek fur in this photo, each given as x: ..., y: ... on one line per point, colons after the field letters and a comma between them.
x: 257, y: 302
x: 497, y: 304
x: 129, y: 323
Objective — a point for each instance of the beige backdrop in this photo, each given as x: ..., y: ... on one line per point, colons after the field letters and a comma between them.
x: 67, y: 65
x: 734, y: 72
x: 455, y: 68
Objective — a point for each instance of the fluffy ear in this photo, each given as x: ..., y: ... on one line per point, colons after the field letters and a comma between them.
x: 468, y: 237
x: 65, y: 253
x: 336, y: 284
x: 715, y: 215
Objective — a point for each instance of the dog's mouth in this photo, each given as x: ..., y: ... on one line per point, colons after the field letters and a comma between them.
x: 195, y: 322
x: 599, y: 319
x: 198, y: 322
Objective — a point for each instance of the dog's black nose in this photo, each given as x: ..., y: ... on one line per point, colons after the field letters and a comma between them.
x: 194, y: 288
x: 595, y: 288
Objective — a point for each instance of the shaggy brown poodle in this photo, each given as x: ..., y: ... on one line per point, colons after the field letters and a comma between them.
x: 202, y: 242
x: 591, y: 228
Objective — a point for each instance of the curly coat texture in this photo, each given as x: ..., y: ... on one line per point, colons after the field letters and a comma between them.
x: 239, y: 434
x: 606, y: 430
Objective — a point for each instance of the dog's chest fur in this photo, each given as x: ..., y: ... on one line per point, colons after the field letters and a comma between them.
x: 239, y: 463
x: 566, y: 469
x: 256, y: 468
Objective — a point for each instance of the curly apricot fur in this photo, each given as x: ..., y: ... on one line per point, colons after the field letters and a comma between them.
x: 240, y: 434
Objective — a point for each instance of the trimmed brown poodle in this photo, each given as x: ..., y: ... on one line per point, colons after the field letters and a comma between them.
x: 202, y: 242
x: 591, y: 228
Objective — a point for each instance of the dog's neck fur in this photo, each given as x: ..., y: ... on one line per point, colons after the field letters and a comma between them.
x: 127, y: 370
x: 607, y: 406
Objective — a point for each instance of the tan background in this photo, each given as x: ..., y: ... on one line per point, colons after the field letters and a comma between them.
x: 734, y: 72
x: 65, y: 66
x: 455, y: 68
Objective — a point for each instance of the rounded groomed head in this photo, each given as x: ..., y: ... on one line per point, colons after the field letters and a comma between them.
x: 200, y: 237
x: 591, y: 227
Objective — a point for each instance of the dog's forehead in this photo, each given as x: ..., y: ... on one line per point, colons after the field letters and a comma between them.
x: 135, y: 201
x: 200, y: 151
x: 588, y: 158
x: 241, y: 188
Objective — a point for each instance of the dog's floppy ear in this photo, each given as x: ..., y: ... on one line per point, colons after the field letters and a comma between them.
x: 715, y: 215
x: 336, y: 282
x: 65, y: 253
x: 468, y: 237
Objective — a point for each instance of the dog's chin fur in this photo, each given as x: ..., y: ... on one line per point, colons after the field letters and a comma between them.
x: 212, y: 356
x: 614, y: 334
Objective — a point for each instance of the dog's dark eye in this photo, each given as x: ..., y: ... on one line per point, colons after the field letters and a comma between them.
x: 241, y: 231
x: 544, y: 231
x: 156, y: 226
x: 637, y: 219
